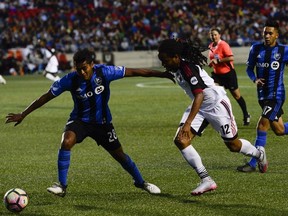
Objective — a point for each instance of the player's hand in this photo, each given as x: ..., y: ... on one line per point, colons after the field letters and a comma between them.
x: 185, y: 133
x: 12, y: 117
x: 260, y: 82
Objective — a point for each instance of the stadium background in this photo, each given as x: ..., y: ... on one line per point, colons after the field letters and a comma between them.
x: 122, y: 26
x: 146, y: 120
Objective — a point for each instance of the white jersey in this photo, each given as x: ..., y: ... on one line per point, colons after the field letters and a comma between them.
x: 193, y: 81
x: 216, y: 108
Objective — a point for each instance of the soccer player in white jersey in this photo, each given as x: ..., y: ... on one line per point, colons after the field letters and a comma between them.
x: 51, y: 69
x: 209, y: 105
x: 50, y: 58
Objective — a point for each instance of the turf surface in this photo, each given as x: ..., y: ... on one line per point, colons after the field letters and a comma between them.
x: 146, y: 112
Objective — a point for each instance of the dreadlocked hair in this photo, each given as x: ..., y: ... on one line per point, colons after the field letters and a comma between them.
x: 192, y: 52
x: 186, y: 49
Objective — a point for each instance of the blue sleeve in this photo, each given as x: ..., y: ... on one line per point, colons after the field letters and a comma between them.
x: 286, y: 55
x: 64, y: 84
x: 113, y: 72
x: 251, y: 64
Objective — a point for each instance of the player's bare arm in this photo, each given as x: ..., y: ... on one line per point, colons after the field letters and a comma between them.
x: 148, y: 73
x: 18, y: 117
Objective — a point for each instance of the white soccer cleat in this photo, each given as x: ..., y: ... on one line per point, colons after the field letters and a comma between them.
x: 57, y: 189
x: 151, y: 188
x: 262, y: 161
x: 206, y: 184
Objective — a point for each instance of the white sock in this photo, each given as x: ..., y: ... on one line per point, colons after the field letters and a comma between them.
x: 192, y: 157
x: 248, y: 149
x: 194, y: 160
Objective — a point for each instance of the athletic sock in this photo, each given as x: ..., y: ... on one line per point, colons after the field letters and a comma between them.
x: 248, y: 149
x: 286, y: 128
x: 261, y: 139
x: 243, y: 106
x: 193, y: 158
x: 63, y: 166
x: 132, y: 169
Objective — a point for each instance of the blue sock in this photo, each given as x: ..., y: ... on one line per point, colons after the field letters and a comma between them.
x: 63, y: 166
x: 260, y: 141
x: 286, y: 128
x: 132, y: 169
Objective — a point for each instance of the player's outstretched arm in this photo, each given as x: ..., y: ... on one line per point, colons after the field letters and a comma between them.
x: 18, y: 117
x: 148, y: 73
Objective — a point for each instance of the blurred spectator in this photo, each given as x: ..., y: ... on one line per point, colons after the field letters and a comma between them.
x: 134, y: 25
x: 9, y: 64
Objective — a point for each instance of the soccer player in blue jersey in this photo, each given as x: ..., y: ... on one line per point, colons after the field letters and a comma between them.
x: 269, y: 58
x: 91, y: 116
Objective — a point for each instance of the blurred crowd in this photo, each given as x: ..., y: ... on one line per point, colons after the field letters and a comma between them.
x: 126, y: 25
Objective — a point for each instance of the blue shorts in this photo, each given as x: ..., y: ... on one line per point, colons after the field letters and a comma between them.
x: 103, y: 134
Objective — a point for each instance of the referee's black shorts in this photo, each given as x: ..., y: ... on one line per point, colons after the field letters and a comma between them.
x: 228, y: 80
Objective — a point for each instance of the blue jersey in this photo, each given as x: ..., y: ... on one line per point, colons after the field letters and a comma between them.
x: 270, y: 64
x: 90, y: 97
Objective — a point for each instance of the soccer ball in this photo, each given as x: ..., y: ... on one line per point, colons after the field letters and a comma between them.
x: 15, y: 200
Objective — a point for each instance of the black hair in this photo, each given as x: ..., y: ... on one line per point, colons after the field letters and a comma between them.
x: 186, y: 49
x: 272, y: 23
x: 84, y: 55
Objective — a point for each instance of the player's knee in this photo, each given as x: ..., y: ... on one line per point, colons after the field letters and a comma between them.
x: 181, y: 144
x: 176, y: 141
x: 278, y: 132
x: 67, y: 143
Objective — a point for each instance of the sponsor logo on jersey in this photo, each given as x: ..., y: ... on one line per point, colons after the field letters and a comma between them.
x: 262, y: 65
x: 193, y: 81
x: 99, y: 89
x: 275, y: 65
x: 85, y: 95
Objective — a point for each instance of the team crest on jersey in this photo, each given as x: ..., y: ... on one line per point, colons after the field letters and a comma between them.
x: 98, y: 80
x: 193, y: 81
x: 277, y: 56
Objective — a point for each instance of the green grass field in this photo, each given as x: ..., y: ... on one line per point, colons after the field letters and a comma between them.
x: 145, y: 119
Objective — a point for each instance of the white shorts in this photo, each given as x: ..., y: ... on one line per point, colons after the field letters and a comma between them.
x: 220, y: 117
x: 52, y: 65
